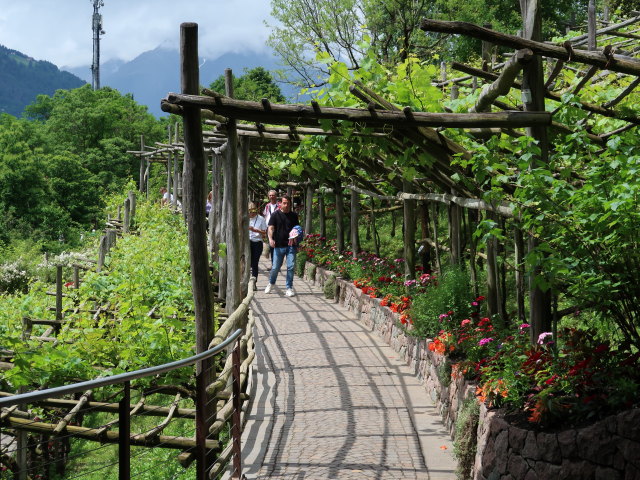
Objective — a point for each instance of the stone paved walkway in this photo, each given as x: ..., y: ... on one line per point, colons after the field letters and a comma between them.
x: 332, y: 401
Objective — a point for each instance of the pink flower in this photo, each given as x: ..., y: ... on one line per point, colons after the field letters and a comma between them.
x: 464, y: 322
x: 542, y: 336
x: 484, y: 341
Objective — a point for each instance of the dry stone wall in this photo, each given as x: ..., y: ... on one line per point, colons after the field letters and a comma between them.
x: 609, y: 449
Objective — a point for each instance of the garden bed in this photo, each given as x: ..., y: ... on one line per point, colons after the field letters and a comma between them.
x: 607, y: 449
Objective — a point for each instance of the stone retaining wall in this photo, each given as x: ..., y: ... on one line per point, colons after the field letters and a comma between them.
x: 609, y: 449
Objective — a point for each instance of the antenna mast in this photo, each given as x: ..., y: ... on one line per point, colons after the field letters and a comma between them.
x: 96, y: 25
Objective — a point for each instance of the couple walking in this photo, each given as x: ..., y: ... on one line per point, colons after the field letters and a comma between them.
x: 284, y: 234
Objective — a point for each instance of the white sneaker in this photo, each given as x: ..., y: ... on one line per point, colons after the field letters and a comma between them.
x: 289, y: 292
x: 268, y: 289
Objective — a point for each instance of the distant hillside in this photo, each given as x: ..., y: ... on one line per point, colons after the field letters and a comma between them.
x: 153, y: 74
x: 22, y: 78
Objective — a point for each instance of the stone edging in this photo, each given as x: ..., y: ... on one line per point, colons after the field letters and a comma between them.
x: 607, y: 449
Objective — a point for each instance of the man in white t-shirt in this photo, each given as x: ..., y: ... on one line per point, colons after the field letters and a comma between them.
x: 167, y: 199
x: 269, y: 208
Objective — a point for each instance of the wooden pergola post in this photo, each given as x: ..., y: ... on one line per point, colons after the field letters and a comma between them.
x: 455, y: 232
x: 355, y: 236
x: 409, y: 233
x: 243, y: 214
x: 533, y: 100
x: 232, y: 234
x: 308, y: 207
x: 176, y: 176
x: 141, y: 184
x: 339, y: 215
x: 169, y: 159
x: 321, y: 215
x: 216, y: 207
x: 195, y: 180
x: 493, y: 282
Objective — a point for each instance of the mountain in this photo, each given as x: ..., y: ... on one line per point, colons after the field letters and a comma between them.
x: 22, y: 78
x: 153, y: 74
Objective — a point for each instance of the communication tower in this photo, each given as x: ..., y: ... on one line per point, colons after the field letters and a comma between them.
x: 96, y: 26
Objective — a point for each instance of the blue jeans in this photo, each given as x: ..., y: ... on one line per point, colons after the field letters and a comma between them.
x: 278, y: 258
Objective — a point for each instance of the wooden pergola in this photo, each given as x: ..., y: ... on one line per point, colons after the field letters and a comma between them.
x: 240, y: 126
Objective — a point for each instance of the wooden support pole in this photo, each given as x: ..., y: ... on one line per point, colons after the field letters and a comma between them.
x: 435, y: 236
x: 354, y: 214
x: 58, y: 298
x: 339, y: 216
x: 177, y: 190
x: 472, y: 221
x: 374, y: 231
x: 76, y: 277
x: 127, y: 216
x: 455, y: 232
x: 124, y: 439
x: 169, y: 166
x: 243, y: 214
x: 141, y: 184
x: 132, y: 204
x: 233, y: 295
x: 409, y: 234
x: 533, y: 100
x: 321, y: 215
x: 308, y: 208
x: 486, y: 52
x: 112, y: 237
x: 518, y: 241
x: 591, y: 16
x: 195, y: 181
x: 216, y: 208
x: 102, y: 252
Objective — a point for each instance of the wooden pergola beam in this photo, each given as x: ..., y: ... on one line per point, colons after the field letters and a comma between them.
x: 296, y: 131
x: 616, y: 63
x: 582, y: 39
x: 311, y: 115
x: 590, y: 107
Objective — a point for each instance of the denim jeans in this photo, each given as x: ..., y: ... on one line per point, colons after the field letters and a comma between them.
x: 256, y: 251
x: 278, y: 258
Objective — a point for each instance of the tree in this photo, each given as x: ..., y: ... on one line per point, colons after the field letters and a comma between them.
x: 255, y: 84
x: 80, y: 119
x: 392, y: 27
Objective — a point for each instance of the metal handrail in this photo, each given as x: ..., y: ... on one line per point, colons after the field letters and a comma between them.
x: 112, y: 380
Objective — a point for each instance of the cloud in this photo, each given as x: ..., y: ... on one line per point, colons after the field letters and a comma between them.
x: 60, y: 32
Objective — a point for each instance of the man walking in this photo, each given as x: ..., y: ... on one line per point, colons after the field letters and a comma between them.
x: 269, y: 209
x: 281, y: 224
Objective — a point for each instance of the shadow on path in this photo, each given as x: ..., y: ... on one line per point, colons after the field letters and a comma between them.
x: 331, y: 400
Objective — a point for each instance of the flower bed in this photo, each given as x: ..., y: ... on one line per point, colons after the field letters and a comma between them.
x: 607, y: 449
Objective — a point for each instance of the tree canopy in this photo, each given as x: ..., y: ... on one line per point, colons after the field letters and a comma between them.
x: 60, y: 160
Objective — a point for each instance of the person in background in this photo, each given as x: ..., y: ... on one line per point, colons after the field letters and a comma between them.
x: 207, y: 207
x: 271, y: 206
x: 166, y: 198
x: 257, y: 231
x: 281, y: 224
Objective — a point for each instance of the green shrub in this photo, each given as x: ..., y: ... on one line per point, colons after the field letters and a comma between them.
x: 466, y: 438
x: 301, y: 259
x: 452, y: 294
x: 330, y: 287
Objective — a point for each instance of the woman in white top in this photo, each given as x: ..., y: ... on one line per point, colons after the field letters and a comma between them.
x: 257, y: 231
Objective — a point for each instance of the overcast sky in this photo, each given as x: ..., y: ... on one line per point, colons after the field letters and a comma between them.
x: 60, y: 30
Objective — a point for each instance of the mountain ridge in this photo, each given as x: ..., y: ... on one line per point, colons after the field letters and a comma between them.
x: 153, y: 74
x: 148, y: 78
x: 22, y: 78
